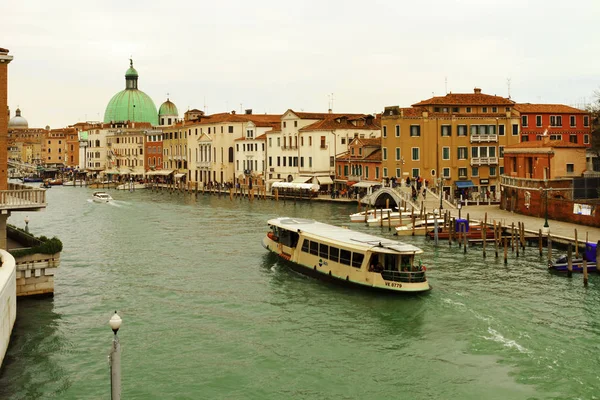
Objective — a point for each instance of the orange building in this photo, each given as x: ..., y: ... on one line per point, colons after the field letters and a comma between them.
x: 559, y: 122
x: 361, y: 163
x: 544, y: 159
x: 153, y: 146
x: 60, y: 148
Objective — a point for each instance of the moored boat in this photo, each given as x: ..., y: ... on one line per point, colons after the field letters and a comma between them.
x: 131, y: 186
x: 75, y: 183
x: 420, y: 226
x: 101, y: 197
x: 561, y: 264
x: 473, y: 231
x: 360, y: 216
x: 392, y: 218
x: 339, y: 254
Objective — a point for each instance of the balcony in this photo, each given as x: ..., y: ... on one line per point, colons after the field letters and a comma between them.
x: 22, y: 198
x: 203, y: 164
x: 484, y: 161
x: 484, y: 138
x: 289, y: 147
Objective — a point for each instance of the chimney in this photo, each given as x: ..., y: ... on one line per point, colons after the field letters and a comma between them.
x: 545, y: 139
x: 477, y: 90
x: 232, y: 112
x: 249, y: 111
x: 329, y: 111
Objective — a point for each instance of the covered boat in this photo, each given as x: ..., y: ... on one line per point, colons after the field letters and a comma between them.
x: 561, y: 264
x: 339, y: 254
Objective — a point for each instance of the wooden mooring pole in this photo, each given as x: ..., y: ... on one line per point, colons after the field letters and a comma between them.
x: 570, y: 261
x: 540, y: 242
x: 496, y: 238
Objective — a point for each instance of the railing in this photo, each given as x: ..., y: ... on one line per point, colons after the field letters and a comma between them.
x: 289, y: 147
x: 22, y: 197
x: 203, y: 164
x: 484, y: 138
x: 404, y: 276
x: 484, y: 160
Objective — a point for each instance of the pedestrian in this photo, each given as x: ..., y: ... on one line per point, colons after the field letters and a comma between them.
x: 424, y: 192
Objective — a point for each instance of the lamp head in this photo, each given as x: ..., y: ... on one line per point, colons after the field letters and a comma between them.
x: 27, y: 219
x: 115, y: 322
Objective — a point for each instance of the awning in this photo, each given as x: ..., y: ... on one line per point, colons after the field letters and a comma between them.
x: 365, y: 184
x: 302, y: 179
x: 464, y: 184
x: 177, y: 176
x: 161, y: 172
x: 324, y: 180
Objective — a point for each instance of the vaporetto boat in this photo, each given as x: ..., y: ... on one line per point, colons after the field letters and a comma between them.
x: 335, y: 253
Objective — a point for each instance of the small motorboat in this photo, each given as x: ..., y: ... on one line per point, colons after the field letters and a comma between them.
x: 561, y: 264
x: 363, y: 216
x: 101, y: 197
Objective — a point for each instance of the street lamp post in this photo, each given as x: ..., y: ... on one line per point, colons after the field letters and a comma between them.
x: 440, y: 180
x: 27, y: 223
x: 546, y: 228
x: 115, y: 359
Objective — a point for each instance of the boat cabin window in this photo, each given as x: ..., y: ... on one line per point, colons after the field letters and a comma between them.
x: 323, y: 250
x: 314, y: 248
x: 288, y: 238
x: 345, y: 256
x: 357, y: 259
x: 334, y: 254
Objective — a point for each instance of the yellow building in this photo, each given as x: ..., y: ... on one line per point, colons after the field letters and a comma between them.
x: 455, y: 141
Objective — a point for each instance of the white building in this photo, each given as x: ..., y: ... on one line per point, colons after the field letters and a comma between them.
x: 304, y: 147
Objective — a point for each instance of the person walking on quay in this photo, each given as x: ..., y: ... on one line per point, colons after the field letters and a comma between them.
x: 424, y: 192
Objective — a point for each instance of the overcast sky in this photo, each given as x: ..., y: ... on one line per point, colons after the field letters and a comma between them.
x: 71, y: 56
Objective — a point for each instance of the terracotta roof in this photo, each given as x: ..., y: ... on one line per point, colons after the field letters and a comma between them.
x: 369, y: 141
x: 542, y: 143
x: 455, y: 99
x: 375, y: 156
x: 548, y: 108
x: 263, y: 120
x: 338, y: 122
x: 309, y: 115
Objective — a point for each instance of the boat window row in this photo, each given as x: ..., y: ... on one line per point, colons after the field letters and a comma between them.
x: 333, y: 253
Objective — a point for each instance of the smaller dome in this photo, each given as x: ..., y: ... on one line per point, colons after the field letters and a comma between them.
x: 18, y: 122
x: 168, y: 108
x: 131, y: 71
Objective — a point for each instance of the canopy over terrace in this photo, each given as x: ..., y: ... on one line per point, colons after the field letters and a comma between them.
x: 295, y: 185
x: 464, y: 184
x: 161, y: 172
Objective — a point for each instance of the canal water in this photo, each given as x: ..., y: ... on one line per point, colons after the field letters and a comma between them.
x: 209, y: 314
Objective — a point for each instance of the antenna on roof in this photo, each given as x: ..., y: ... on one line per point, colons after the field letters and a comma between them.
x: 508, y: 85
x: 446, y: 84
x: 330, y: 102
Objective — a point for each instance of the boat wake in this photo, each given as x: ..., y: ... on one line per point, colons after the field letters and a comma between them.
x: 497, y: 337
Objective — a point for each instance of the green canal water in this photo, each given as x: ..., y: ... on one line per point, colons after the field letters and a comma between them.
x: 208, y: 314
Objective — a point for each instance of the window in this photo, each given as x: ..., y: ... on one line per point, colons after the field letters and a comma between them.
x: 436, y: 109
x: 345, y: 256
x: 475, y: 171
x: 446, y: 130
x: 468, y: 109
x: 314, y: 248
x: 284, y: 124
x: 445, y: 153
x: 462, y: 153
x: 572, y: 121
x: 357, y: 259
x: 556, y: 120
x: 310, y: 140
x: 385, y: 172
x: 462, y: 130
x: 278, y: 161
x: 398, y: 172
x: 446, y: 172
x: 455, y: 109
x: 334, y: 254
x: 415, y: 154
x: 295, y: 124
x: 501, y: 151
x: 384, y: 134
x: 270, y: 142
x: 501, y: 170
x: 309, y: 162
x: 462, y: 172
x: 573, y: 138
x: 352, y: 151
x: 586, y: 139
x: 524, y: 120
x: 492, y: 171
x: 524, y: 138
x: 555, y: 137
x: 384, y: 153
x: 570, y: 168
x: 515, y: 129
x: 415, y: 172
x: 484, y: 109
x: 494, y: 109
x: 501, y: 130
x: 397, y: 130
x: 415, y: 130
x: 398, y: 154
x: 323, y: 250
x: 586, y: 120
x: 444, y: 109
x: 538, y: 121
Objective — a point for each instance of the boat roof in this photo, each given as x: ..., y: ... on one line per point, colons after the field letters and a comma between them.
x: 343, y: 235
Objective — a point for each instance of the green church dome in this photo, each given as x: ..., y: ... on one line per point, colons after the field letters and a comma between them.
x: 131, y: 104
x: 168, y: 108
